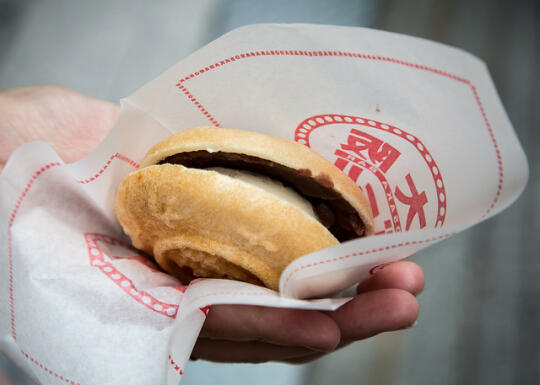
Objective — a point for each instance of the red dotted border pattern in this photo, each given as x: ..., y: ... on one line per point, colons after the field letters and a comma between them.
x: 352, y: 55
x: 360, y: 253
x: 97, y: 260
x: 175, y: 366
x: 102, y: 170
x: 51, y: 372
x: 306, y: 127
x: 12, y: 218
x: 190, y: 96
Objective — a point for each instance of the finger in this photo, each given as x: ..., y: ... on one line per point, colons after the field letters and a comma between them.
x: 303, y: 359
x: 313, y: 355
x: 403, y: 275
x: 4, y: 380
x: 375, y: 312
x: 247, y: 352
x: 290, y: 327
x: 399, y: 311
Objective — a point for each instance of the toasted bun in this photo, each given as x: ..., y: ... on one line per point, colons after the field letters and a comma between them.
x: 203, y: 219
x: 281, y: 151
x: 205, y: 223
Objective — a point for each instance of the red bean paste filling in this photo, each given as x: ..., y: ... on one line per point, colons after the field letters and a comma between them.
x: 332, y: 210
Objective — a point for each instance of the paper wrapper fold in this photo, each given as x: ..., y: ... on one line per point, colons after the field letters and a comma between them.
x: 416, y: 124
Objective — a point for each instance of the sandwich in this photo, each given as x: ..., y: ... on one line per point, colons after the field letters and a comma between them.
x: 233, y: 204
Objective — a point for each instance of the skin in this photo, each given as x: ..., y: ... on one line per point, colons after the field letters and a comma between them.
x: 74, y: 124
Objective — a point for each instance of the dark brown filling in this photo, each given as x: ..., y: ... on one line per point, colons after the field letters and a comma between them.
x: 332, y: 210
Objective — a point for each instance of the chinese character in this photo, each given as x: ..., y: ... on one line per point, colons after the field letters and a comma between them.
x: 415, y: 202
x: 380, y: 153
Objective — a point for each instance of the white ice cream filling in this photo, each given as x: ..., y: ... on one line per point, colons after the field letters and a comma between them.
x: 269, y: 185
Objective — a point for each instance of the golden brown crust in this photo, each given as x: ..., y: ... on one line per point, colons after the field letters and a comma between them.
x: 281, y: 151
x: 188, y: 263
x: 176, y: 213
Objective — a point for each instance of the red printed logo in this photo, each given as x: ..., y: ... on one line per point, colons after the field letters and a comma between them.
x: 394, y: 168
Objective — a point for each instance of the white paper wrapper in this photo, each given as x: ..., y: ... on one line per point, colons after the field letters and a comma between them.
x: 416, y: 124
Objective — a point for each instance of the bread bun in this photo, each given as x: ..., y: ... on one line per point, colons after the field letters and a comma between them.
x: 225, y: 203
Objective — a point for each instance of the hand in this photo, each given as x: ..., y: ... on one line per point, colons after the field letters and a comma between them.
x: 73, y: 124
x: 241, y: 333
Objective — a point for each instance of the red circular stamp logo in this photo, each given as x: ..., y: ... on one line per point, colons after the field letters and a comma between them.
x: 394, y: 168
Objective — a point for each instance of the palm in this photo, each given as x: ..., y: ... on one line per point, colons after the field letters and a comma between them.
x: 72, y: 123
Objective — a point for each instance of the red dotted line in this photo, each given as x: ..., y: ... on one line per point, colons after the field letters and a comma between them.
x: 306, y: 127
x: 175, y: 366
x: 100, y: 172
x: 265, y: 53
x: 10, y: 255
x: 198, y: 105
x: 10, y: 250
x: 11, y: 301
x: 51, y: 372
x: 497, y: 151
x: 366, y: 252
x: 28, y: 185
x: 252, y: 54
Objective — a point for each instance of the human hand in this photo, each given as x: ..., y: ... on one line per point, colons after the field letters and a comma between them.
x: 73, y: 124
x: 240, y: 333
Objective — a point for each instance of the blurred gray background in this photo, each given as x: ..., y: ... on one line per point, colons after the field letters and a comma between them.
x: 480, y: 312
